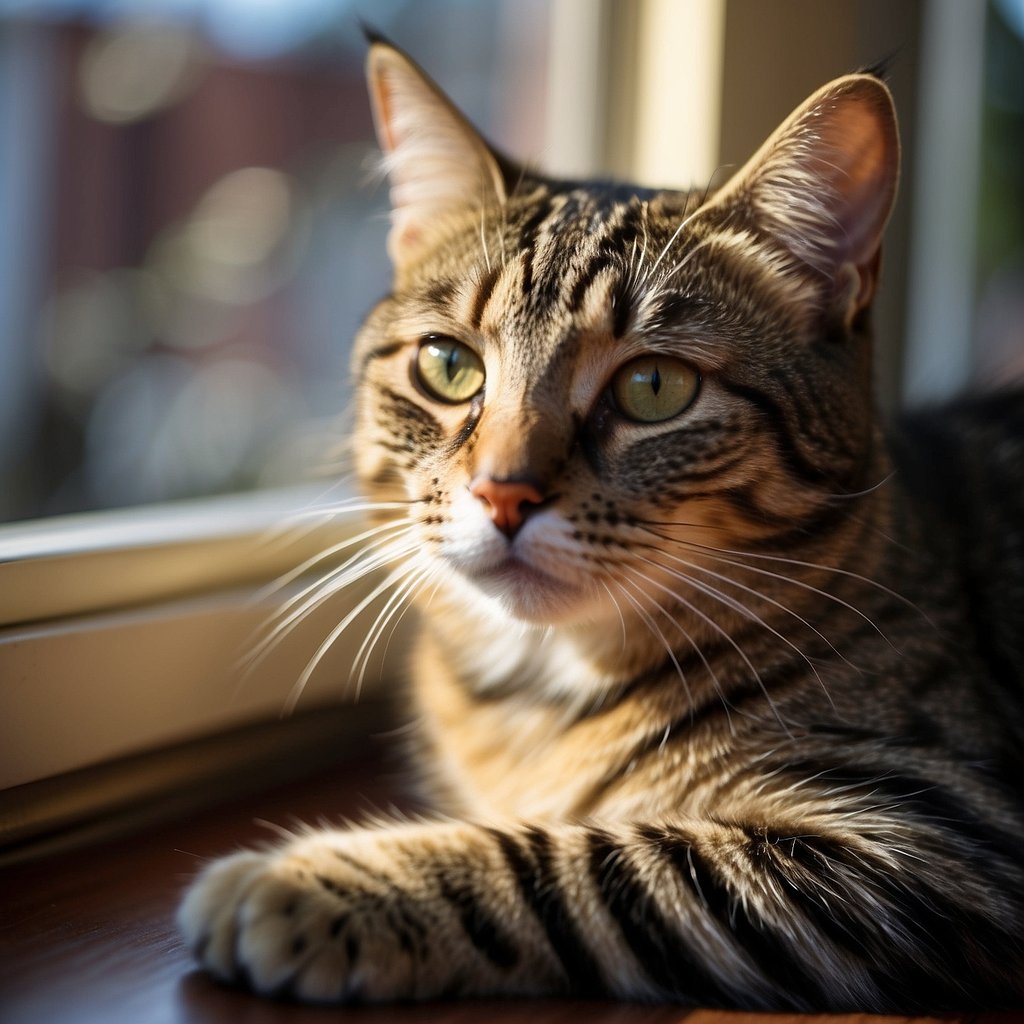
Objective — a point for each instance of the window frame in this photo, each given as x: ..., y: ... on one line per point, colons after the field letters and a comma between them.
x: 85, y: 601
x: 127, y: 631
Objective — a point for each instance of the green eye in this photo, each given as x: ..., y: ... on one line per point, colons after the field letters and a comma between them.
x: 448, y: 370
x: 654, y: 388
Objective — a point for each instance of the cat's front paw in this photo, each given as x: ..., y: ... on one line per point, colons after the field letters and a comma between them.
x: 209, y: 917
x: 311, y: 921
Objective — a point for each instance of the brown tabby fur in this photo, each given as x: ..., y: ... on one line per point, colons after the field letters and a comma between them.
x: 734, y: 717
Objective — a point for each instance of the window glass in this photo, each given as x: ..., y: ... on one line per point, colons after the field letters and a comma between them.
x: 192, y: 226
x: 999, y: 335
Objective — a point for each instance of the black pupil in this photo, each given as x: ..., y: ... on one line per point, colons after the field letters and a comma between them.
x: 451, y: 363
x: 655, y: 381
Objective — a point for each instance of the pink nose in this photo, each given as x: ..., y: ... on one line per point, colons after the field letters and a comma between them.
x: 507, y: 501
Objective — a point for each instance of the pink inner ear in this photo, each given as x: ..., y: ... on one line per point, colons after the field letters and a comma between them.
x: 382, y: 95
x: 861, y: 163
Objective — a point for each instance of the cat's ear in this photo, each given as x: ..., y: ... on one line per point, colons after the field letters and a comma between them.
x: 824, y: 183
x: 436, y: 162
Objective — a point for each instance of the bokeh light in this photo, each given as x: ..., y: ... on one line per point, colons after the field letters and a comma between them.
x: 132, y: 71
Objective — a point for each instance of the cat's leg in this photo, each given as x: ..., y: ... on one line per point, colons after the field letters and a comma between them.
x: 711, y: 913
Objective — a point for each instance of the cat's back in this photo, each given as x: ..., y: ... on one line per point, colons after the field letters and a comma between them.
x: 962, y: 465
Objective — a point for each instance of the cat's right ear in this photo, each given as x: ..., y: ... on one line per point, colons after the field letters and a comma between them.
x: 435, y: 160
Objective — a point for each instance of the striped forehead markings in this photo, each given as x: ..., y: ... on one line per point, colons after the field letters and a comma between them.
x: 484, y: 291
x: 528, y: 234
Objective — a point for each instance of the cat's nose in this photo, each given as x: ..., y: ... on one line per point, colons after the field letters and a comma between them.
x: 507, y: 502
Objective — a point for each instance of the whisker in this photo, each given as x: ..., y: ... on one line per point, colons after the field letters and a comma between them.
x: 312, y: 597
x: 862, y: 494
x: 685, y: 261
x: 483, y: 237
x: 335, y: 634
x: 317, y: 505
x: 715, y: 681
x: 653, y: 627
x: 810, y: 588
x: 668, y: 245
x: 754, y: 592
x: 395, y: 608
x: 717, y: 552
x: 637, y: 266
x: 299, y: 525
x: 716, y: 595
x: 321, y: 556
x: 725, y: 636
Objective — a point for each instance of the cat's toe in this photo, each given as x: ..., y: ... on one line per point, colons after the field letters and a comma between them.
x: 284, y: 936
x: 266, y: 922
x: 207, y: 916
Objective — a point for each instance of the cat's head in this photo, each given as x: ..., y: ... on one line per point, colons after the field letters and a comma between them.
x: 571, y: 379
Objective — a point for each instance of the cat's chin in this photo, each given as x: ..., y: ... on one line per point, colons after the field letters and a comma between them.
x: 527, y: 593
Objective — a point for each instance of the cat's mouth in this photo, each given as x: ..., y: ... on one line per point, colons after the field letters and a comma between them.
x: 527, y: 592
x: 513, y: 570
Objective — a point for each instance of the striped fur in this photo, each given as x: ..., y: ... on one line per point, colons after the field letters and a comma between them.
x: 734, y: 715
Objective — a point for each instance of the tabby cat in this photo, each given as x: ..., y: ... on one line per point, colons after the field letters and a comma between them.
x: 718, y: 687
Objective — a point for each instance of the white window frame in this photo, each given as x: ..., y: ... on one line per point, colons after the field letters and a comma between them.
x: 125, y: 631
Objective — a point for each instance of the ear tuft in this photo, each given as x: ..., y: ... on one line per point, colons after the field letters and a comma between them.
x: 435, y: 160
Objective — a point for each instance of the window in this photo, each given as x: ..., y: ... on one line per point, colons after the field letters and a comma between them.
x: 194, y: 229
x: 185, y: 251
x: 191, y: 227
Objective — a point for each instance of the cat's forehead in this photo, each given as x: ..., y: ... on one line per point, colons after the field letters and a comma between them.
x: 559, y: 270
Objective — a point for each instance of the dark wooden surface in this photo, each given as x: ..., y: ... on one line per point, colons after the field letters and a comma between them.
x: 87, y: 936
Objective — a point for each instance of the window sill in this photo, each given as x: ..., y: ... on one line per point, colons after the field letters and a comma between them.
x: 125, y: 632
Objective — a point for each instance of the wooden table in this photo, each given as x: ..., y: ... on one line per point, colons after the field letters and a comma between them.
x: 87, y: 936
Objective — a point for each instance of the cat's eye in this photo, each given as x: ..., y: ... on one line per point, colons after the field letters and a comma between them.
x: 653, y: 388
x: 448, y: 370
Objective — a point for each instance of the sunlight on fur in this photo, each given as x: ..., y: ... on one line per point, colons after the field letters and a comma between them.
x: 717, y: 690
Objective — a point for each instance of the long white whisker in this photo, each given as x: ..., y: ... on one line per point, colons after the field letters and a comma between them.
x: 298, y: 523
x: 796, y: 582
x: 332, y: 638
x: 428, y: 576
x: 717, y: 553
x: 722, y: 632
x: 653, y: 627
x: 636, y: 264
x: 396, y: 606
x: 668, y: 245
x: 321, y: 556
x: 730, y: 602
x: 364, y: 560
x: 310, y: 598
x: 715, y: 681
x: 812, y: 565
x: 483, y: 237
x: 754, y: 592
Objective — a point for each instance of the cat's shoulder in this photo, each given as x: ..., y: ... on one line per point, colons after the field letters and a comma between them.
x: 965, y: 453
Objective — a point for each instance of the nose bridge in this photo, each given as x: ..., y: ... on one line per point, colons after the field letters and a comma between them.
x: 517, y: 441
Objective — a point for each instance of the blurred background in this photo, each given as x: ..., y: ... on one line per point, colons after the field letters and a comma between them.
x: 192, y: 226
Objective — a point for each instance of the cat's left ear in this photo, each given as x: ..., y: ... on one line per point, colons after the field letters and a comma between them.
x: 824, y: 183
x: 436, y: 161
